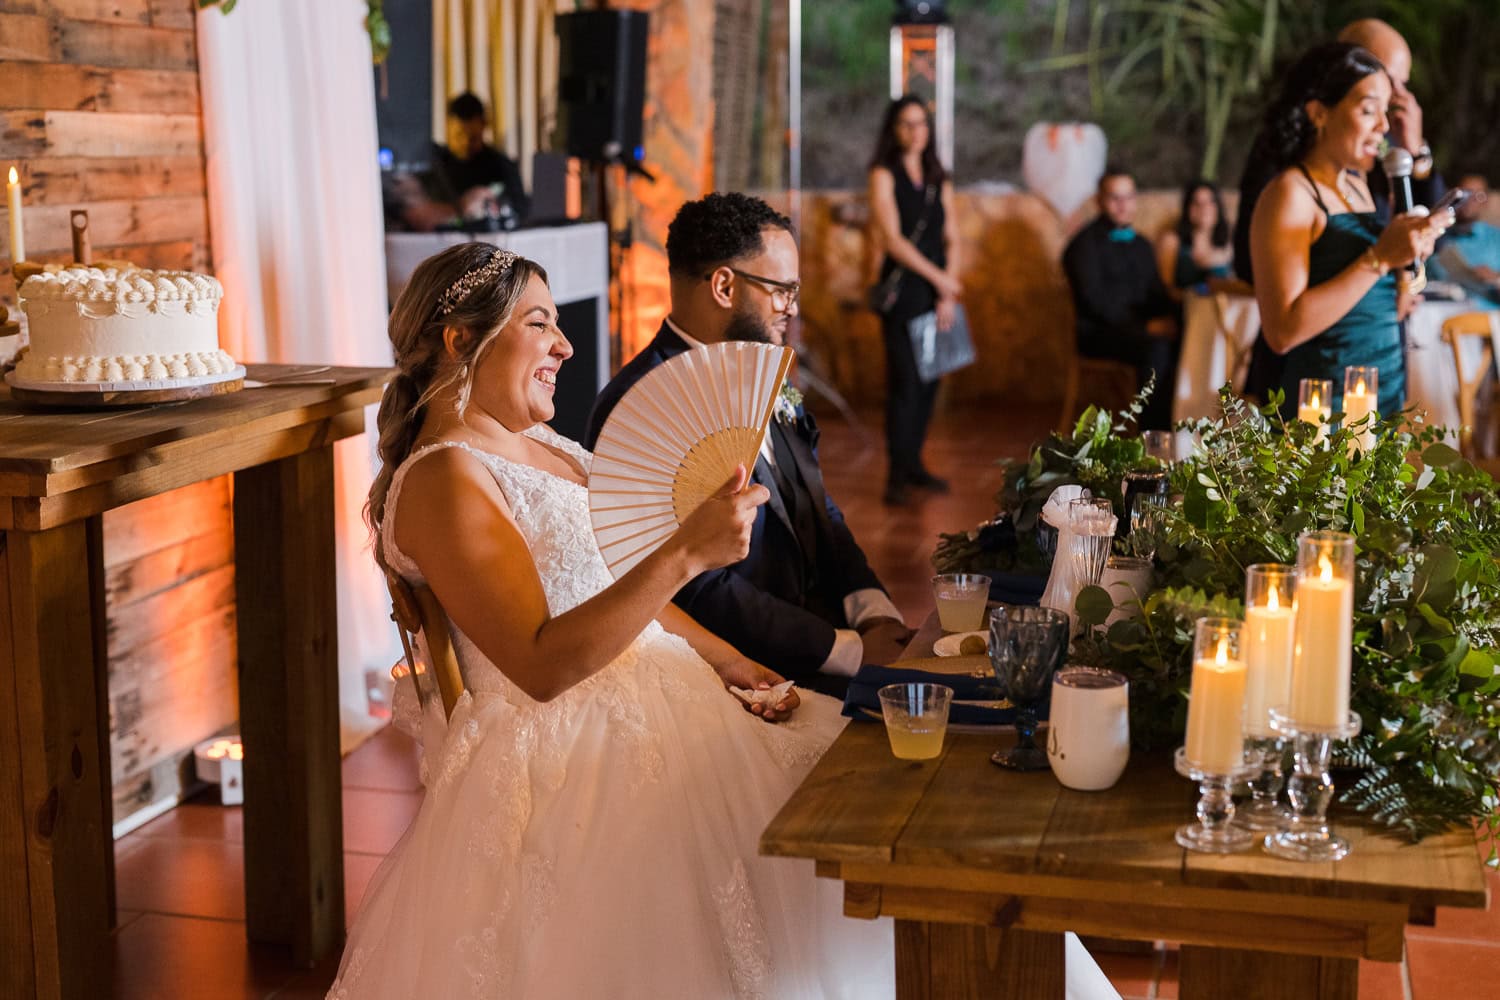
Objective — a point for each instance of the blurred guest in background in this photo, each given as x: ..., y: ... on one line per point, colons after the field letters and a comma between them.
x: 911, y: 208
x: 471, y: 185
x: 1124, y: 311
x: 1196, y: 255
x: 1324, y: 263
x: 1469, y: 253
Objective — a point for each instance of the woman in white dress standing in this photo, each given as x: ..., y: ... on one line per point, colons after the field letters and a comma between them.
x: 592, y: 814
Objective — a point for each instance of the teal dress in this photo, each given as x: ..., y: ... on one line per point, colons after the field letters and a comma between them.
x: 1188, y: 275
x: 1368, y: 334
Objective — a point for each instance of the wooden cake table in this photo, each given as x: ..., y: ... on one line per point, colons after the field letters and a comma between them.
x: 60, y: 471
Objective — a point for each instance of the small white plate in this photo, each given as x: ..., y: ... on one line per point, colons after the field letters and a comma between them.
x: 948, y: 644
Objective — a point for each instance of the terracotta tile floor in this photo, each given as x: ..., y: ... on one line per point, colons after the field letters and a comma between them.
x: 181, y: 932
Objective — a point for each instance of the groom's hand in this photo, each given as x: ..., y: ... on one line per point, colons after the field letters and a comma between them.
x: 884, y: 639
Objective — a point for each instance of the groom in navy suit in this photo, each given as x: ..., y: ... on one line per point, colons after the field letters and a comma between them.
x: 804, y: 602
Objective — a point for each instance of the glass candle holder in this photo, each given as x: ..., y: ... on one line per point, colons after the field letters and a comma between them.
x: 1306, y: 835
x: 1315, y: 404
x: 1323, y: 632
x: 1268, y: 641
x: 1361, y: 394
x: 1214, y: 753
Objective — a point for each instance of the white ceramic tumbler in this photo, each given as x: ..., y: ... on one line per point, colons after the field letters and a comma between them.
x: 1088, y: 740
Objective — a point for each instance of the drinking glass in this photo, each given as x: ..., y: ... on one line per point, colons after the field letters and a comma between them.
x: 916, y: 717
x: 1160, y: 445
x: 1135, y: 487
x: 1145, y: 524
x: 961, y: 599
x: 1027, y: 645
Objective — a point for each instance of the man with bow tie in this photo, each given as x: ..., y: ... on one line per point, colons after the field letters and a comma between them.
x: 1124, y: 312
x: 804, y: 601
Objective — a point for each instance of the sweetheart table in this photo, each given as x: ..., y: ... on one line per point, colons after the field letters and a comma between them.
x: 984, y: 870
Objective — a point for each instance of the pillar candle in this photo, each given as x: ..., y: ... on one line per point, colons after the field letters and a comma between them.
x: 17, y: 231
x: 1358, y: 404
x: 1216, y: 710
x: 1323, y: 648
x: 1316, y: 411
x: 1268, y: 662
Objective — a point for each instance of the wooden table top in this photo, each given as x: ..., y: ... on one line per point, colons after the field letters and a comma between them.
x: 963, y: 816
x: 57, y: 465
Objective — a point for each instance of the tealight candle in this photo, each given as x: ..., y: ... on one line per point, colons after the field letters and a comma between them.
x: 1315, y: 404
x: 1324, y: 631
x: 1361, y: 393
x: 17, y: 230
x: 1268, y: 642
x: 1216, y: 703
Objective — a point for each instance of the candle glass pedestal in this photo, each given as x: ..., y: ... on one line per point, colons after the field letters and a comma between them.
x: 1264, y: 812
x: 1306, y: 836
x: 1215, y: 832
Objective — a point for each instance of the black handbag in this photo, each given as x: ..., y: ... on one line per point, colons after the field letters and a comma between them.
x: 883, y: 295
x: 939, y: 352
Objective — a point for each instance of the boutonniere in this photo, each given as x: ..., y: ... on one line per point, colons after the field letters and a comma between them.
x: 788, y: 403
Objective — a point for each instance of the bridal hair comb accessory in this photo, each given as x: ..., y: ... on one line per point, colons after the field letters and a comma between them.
x: 460, y: 289
x: 675, y: 438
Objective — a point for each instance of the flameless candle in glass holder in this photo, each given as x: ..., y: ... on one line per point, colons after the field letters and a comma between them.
x: 1214, y: 754
x: 1315, y: 404
x: 1318, y: 710
x: 1361, y: 394
x: 1267, y: 643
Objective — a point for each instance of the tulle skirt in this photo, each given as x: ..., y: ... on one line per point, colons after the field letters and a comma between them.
x: 604, y: 845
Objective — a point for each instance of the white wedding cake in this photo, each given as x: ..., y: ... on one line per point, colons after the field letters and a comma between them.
x: 124, y: 328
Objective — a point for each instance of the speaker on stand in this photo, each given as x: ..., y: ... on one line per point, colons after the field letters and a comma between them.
x: 601, y: 95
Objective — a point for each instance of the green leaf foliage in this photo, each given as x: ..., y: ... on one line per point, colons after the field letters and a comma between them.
x: 1427, y: 602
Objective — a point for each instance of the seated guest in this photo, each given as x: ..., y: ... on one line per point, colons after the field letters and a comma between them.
x: 471, y: 184
x: 1325, y: 267
x: 804, y: 601
x: 1469, y: 253
x: 1196, y: 255
x: 1124, y: 312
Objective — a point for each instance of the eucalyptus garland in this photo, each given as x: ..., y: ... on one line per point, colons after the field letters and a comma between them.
x: 1427, y: 614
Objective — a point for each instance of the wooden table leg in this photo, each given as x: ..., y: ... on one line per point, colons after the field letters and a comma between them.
x: 55, y: 846
x: 289, y: 703
x: 964, y: 962
x: 1205, y: 973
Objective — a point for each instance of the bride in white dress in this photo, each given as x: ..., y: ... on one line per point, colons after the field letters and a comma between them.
x: 592, y: 814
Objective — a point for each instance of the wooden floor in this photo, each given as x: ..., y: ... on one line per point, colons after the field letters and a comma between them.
x: 181, y: 898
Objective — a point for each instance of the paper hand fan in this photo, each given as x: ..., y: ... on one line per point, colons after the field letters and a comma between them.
x: 674, y: 439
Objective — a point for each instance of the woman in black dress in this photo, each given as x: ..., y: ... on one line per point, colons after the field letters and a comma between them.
x: 911, y: 207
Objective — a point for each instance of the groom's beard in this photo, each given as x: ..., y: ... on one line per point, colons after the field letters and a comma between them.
x: 745, y: 325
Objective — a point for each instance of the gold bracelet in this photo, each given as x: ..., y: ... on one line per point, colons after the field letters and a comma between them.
x: 1374, y: 263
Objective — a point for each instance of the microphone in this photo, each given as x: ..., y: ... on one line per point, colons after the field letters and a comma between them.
x: 1397, y: 164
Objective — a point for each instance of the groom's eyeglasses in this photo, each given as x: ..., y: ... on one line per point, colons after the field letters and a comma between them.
x: 783, y: 293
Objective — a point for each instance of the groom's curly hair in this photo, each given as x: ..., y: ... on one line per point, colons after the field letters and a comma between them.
x: 719, y: 228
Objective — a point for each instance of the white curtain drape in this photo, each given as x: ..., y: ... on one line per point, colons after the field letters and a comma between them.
x: 505, y: 53
x: 299, y: 244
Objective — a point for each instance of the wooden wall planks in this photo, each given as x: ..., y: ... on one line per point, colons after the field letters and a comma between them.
x: 100, y: 110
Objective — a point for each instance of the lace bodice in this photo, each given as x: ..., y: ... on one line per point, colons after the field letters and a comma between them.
x: 552, y: 514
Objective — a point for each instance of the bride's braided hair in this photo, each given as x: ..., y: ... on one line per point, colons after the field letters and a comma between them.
x: 471, y: 286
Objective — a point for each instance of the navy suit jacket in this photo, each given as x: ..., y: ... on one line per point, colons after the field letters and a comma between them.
x: 772, y: 605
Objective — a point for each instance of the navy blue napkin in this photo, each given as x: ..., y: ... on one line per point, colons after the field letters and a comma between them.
x: 864, y: 693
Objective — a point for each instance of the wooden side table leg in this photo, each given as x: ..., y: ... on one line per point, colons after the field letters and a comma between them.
x: 963, y: 962
x: 55, y: 863
x: 289, y: 703
x: 1206, y: 973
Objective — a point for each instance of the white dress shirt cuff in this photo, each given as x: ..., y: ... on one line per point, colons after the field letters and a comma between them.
x: 847, y: 655
x: 871, y: 602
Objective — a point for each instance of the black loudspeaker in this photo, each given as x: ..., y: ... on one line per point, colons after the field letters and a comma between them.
x: 601, y: 83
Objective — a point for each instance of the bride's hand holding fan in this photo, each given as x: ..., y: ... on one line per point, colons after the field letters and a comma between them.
x: 718, y: 532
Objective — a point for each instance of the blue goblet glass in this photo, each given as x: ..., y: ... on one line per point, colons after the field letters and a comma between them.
x: 1027, y: 645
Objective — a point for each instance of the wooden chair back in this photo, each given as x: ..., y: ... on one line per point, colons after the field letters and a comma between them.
x: 1456, y: 330
x: 416, y: 610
